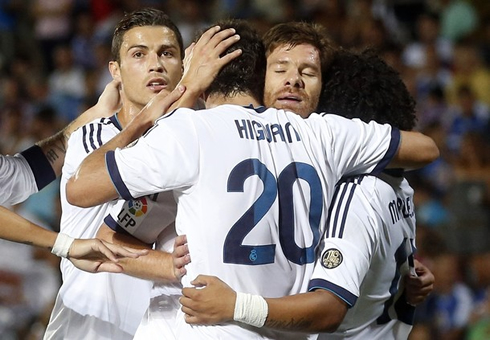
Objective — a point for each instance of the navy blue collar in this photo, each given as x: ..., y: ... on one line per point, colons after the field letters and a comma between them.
x: 259, y: 109
x: 115, y: 121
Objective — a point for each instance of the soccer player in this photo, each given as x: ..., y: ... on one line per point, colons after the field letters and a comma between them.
x: 148, y: 220
x: 148, y: 50
x: 240, y: 166
x: 356, y: 290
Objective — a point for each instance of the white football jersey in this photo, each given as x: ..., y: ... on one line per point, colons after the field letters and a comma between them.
x: 252, y: 187
x: 151, y: 219
x: 116, y: 299
x: 18, y: 180
x: 368, y: 247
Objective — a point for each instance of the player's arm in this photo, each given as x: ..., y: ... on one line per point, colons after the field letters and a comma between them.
x: 90, y: 255
x: 156, y: 265
x: 91, y: 184
x: 215, y: 302
x: 54, y: 147
x: 415, y: 151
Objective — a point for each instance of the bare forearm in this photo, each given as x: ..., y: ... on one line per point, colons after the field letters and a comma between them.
x: 155, y: 266
x: 17, y: 229
x: 313, y: 312
x: 416, y: 150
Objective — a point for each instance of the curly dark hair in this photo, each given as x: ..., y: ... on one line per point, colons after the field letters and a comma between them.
x: 361, y: 85
x: 141, y: 18
x: 246, y: 73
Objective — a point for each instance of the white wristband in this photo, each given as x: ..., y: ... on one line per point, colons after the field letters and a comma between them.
x: 250, y: 309
x: 62, y: 245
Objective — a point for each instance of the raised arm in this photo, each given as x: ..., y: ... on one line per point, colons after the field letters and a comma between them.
x: 416, y: 150
x: 91, y: 185
x: 54, y: 147
x: 203, y: 60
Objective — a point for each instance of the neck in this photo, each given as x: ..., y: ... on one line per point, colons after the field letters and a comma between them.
x: 126, y: 113
x: 236, y: 99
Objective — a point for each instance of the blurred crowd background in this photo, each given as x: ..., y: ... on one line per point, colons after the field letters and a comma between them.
x: 53, y: 65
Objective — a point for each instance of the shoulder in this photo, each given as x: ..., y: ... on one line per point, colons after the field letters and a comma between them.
x: 93, y: 135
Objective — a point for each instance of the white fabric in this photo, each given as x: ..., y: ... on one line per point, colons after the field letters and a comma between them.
x: 250, y: 309
x: 372, y: 231
x: 92, y: 328
x: 151, y: 220
x: 62, y: 245
x: 116, y: 299
x: 209, y: 157
x: 17, y: 181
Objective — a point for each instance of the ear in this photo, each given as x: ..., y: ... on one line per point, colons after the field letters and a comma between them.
x: 115, y: 70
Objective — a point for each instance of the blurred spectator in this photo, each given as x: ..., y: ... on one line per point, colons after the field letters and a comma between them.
x: 432, y: 108
x: 469, y: 115
x: 451, y: 302
x: 66, y: 84
x: 479, y: 326
x: 373, y: 34
x: 52, y: 26
x: 190, y: 17
x: 431, y: 211
x: 84, y: 41
x: 8, y: 20
x: 459, y: 18
x: 428, y: 39
x: 468, y: 70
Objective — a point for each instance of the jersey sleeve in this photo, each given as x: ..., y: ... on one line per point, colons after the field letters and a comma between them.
x: 143, y: 218
x: 165, y: 158
x: 358, y: 147
x: 349, y: 243
x: 85, y: 140
x: 17, y: 181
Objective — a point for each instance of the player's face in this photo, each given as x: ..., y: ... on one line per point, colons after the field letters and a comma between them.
x: 293, y: 80
x: 150, y: 63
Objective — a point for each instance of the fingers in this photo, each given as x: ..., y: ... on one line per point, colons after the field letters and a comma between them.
x: 201, y: 281
x: 180, y: 241
x: 121, y: 251
x: 109, y: 267
x: 180, y: 256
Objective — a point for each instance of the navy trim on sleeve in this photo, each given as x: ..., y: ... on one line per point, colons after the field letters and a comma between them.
x: 112, y: 223
x: 392, y: 150
x: 121, y: 188
x: 342, y: 293
x: 40, y: 166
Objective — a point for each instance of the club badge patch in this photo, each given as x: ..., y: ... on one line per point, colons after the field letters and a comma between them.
x: 332, y: 258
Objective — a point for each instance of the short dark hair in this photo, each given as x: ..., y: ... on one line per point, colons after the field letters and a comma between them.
x: 361, y: 85
x: 246, y: 73
x: 141, y: 18
x: 297, y: 33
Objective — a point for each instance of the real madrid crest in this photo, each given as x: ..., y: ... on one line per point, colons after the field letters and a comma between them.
x: 332, y: 258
